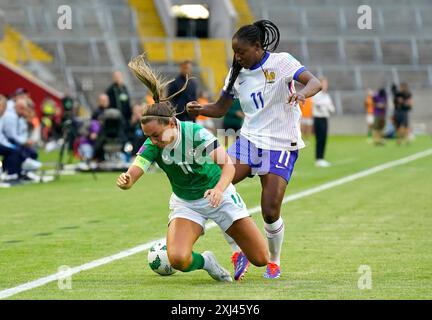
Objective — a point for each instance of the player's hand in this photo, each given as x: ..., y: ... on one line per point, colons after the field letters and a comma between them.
x: 296, y: 97
x: 194, y: 108
x: 214, y: 196
x: 124, y: 181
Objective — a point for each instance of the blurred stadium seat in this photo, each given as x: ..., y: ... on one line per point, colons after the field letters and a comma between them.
x: 244, y: 12
x: 322, y: 34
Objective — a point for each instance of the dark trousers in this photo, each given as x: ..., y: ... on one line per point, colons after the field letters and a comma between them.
x: 12, y: 160
x: 320, y: 129
x: 24, y: 151
x: 27, y: 152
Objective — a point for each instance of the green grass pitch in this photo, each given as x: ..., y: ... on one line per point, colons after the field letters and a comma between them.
x: 383, y: 221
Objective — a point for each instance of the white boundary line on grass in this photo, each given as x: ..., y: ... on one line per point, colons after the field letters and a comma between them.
x: 126, y: 253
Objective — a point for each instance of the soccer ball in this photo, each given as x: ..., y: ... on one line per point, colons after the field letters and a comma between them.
x: 158, y: 259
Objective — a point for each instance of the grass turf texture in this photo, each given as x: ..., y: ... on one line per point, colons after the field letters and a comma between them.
x: 383, y: 220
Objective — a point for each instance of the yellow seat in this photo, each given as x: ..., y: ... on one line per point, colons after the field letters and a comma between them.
x: 244, y: 12
x: 213, y: 57
x: 15, y: 48
x: 156, y: 51
x: 183, y: 50
x: 148, y: 20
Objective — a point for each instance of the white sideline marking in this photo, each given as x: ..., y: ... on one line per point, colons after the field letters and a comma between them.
x: 126, y: 253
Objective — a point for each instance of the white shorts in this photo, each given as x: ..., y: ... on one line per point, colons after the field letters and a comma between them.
x: 369, y: 119
x: 231, y: 208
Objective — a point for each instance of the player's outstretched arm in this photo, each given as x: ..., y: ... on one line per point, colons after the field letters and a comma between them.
x: 127, y: 179
x: 220, y: 157
x: 214, y: 110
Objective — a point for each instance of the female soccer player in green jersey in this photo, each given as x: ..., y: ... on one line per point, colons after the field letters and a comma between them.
x: 200, y: 173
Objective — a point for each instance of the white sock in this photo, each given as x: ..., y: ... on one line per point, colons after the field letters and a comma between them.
x: 232, y: 243
x: 275, y: 234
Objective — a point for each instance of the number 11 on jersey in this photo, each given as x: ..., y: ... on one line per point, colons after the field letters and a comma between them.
x: 254, y: 97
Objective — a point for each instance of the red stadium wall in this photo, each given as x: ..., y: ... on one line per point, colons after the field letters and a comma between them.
x: 12, y: 78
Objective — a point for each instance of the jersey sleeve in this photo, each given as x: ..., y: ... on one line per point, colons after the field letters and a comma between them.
x: 146, y: 155
x: 292, y: 67
x: 233, y: 93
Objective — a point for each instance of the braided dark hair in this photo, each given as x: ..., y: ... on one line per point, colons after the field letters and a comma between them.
x: 264, y: 32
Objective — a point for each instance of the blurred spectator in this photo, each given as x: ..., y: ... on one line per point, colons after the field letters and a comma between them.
x: 232, y: 122
x: 307, y: 119
x: 136, y: 136
x: 402, y: 106
x: 15, y: 129
x: 369, y: 108
x: 21, y: 93
x: 51, y: 124
x: 380, y: 109
x: 30, y: 102
x: 118, y: 96
x: 189, y: 94
x: 204, y: 121
x: 15, y: 126
x: 87, y: 136
x: 321, y: 109
x: 12, y: 160
x: 34, y: 126
x: 112, y: 135
x: 103, y: 104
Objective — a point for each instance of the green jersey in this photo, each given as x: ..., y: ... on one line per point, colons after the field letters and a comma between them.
x: 185, y: 161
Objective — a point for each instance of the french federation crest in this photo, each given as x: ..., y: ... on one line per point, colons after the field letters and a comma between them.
x: 270, y: 76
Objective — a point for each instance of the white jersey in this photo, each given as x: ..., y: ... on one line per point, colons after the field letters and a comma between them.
x: 263, y: 90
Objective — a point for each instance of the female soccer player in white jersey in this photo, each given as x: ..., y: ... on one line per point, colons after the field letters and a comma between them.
x: 200, y: 172
x: 269, y: 140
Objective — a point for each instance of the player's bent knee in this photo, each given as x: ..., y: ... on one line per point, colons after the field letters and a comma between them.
x: 271, y: 210
x: 179, y: 260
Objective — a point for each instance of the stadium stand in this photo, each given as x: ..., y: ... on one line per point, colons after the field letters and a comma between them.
x: 148, y: 22
x: 323, y: 34
x: 244, y: 12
